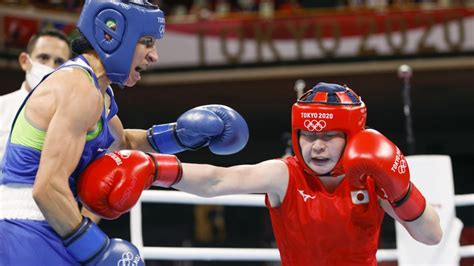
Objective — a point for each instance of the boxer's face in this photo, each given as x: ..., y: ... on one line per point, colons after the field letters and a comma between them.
x: 145, y: 55
x: 322, y: 150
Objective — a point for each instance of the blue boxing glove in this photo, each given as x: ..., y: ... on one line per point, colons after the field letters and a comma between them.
x: 90, y: 246
x: 217, y: 126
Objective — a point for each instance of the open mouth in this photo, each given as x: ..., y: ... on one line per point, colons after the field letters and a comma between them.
x: 139, y: 69
x: 320, y: 160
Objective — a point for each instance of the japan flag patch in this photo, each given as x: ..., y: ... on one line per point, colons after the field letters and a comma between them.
x: 360, y: 196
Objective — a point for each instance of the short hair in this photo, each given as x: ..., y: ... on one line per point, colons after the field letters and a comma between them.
x: 80, y: 44
x: 47, y: 32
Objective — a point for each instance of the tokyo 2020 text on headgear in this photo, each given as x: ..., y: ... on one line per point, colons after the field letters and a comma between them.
x: 113, y: 28
x: 327, y: 107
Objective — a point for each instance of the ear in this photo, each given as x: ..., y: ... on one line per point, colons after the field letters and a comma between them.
x: 24, y: 62
x: 107, y: 36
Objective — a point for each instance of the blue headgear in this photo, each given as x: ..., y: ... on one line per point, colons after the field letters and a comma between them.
x: 125, y: 22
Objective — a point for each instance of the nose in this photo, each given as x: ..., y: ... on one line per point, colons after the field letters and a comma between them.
x: 319, y: 145
x: 152, y: 56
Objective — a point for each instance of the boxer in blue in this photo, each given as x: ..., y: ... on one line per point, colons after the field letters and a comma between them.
x: 70, y: 119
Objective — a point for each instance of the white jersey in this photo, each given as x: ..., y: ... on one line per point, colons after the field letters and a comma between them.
x: 9, y: 105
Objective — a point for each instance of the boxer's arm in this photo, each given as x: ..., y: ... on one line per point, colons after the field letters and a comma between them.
x: 128, y: 139
x: 425, y: 229
x: 76, y: 109
x: 208, y: 181
x: 86, y: 213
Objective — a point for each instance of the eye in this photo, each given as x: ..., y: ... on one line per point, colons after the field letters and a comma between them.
x: 59, y: 61
x: 147, y: 41
x: 333, y: 134
x: 43, y: 58
x: 308, y: 136
x: 305, y: 134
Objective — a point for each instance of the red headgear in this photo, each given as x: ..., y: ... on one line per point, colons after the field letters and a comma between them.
x: 327, y: 107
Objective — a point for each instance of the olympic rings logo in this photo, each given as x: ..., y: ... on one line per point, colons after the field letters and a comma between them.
x: 402, y: 168
x: 314, y: 125
x: 128, y: 259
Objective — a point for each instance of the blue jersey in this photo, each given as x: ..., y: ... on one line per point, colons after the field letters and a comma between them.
x: 26, y: 237
x: 21, y: 162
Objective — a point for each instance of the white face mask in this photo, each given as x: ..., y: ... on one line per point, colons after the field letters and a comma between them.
x: 36, y: 73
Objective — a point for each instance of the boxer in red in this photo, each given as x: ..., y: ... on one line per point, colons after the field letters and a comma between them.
x: 326, y: 203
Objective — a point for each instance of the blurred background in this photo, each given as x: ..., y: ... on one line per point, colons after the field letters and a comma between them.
x: 248, y: 54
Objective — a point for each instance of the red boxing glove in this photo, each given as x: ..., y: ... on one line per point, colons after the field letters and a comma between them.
x: 370, y: 153
x: 112, y: 184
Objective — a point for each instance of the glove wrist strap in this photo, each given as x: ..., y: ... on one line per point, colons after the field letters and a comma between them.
x: 86, y: 242
x: 163, y: 139
x: 411, y: 206
x: 168, y: 170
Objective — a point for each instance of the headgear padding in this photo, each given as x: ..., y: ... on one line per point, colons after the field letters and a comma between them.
x: 327, y: 107
x: 114, y: 27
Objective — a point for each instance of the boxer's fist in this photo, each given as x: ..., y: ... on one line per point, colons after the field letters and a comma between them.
x: 112, y: 184
x: 217, y: 126
x: 90, y: 246
x: 369, y: 153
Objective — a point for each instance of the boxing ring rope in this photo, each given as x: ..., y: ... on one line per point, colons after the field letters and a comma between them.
x: 233, y: 254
